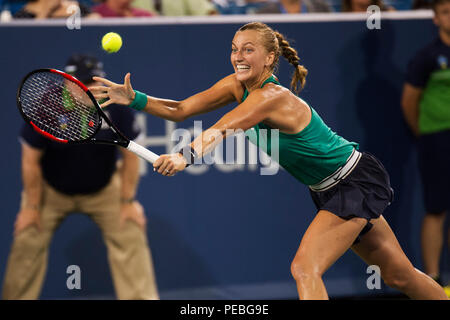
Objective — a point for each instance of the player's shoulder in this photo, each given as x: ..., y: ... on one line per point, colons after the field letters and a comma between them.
x: 428, y: 51
x: 233, y: 85
x: 232, y: 81
x: 125, y: 120
x: 32, y: 138
x: 272, y: 92
x: 435, y: 44
x: 269, y: 97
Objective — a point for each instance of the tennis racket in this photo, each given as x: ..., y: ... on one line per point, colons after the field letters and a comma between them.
x: 61, y: 108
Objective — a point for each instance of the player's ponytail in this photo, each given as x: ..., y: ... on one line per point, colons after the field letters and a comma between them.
x: 291, y: 56
x: 275, y: 42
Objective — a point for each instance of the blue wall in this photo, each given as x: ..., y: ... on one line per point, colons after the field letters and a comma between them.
x: 216, y: 234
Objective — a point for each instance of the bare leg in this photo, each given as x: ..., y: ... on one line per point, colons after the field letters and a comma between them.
x: 432, y: 240
x: 380, y: 247
x: 327, y: 238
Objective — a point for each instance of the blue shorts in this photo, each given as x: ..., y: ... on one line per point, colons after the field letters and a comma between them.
x: 434, y: 167
x: 365, y: 193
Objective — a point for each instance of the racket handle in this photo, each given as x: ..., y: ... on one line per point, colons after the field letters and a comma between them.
x: 142, y: 152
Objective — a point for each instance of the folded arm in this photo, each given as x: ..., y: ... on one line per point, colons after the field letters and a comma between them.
x: 410, y: 105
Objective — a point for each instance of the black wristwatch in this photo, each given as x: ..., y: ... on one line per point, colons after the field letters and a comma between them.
x: 188, y: 154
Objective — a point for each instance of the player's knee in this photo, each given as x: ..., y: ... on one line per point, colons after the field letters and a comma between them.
x: 399, y: 280
x: 302, y: 269
x: 398, y: 283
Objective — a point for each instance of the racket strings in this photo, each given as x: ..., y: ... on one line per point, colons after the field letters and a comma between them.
x: 50, y: 99
x: 59, y: 106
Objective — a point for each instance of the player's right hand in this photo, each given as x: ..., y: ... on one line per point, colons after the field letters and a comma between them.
x: 27, y: 217
x: 169, y: 164
x: 115, y: 93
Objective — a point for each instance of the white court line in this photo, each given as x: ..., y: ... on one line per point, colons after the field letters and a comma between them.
x: 226, y: 19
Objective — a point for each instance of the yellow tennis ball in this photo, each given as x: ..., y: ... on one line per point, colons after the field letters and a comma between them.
x: 111, y: 42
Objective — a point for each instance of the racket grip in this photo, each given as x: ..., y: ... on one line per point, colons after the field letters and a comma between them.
x: 142, y: 152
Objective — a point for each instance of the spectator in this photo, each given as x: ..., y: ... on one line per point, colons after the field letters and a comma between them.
x: 362, y: 5
x: 188, y: 8
x: 240, y: 6
x: 120, y: 8
x: 60, y: 179
x: 295, y: 6
x: 153, y: 6
x: 425, y: 103
x: 44, y: 9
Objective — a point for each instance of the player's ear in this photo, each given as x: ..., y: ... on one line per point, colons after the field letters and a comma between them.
x: 270, y: 59
x: 436, y: 20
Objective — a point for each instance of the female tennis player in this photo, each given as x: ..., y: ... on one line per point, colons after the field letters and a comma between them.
x: 350, y: 189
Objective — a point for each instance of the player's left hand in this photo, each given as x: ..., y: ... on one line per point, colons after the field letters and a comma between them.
x: 132, y: 211
x: 113, y: 92
x: 169, y: 164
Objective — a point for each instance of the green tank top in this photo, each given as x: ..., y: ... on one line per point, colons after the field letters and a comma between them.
x: 310, y: 155
x: 434, y: 115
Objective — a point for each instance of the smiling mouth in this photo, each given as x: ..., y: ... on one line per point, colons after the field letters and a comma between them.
x: 242, y: 68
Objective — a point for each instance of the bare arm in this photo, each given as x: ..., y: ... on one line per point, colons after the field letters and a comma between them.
x: 256, y: 108
x: 130, y: 208
x: 221, y: 94
x: 410, y: 106
x: 29, y: 213
x: 129, y: 174
x: 31, y: 176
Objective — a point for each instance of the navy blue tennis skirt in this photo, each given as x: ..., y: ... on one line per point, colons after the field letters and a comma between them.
x: 365, y: 193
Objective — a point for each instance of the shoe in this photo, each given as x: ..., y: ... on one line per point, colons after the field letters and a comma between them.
x: 447, y: 290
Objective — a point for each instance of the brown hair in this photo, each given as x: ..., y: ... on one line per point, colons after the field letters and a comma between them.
x: 275, y: 42
x: 436, y: 3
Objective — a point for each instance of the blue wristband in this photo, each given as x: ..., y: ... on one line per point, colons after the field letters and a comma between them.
x: 139, y: 102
